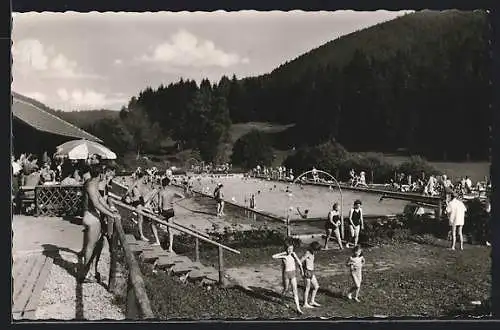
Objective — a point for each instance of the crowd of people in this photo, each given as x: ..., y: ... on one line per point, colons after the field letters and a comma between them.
x: 272, y: 173
x: 29, y: 171
x: 151, y: 191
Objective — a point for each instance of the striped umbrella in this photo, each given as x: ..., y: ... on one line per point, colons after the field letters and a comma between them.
x: 82, y: 149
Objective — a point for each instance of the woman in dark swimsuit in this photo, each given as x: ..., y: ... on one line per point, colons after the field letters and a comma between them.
x: 332, y: 225
x: 356, y: 221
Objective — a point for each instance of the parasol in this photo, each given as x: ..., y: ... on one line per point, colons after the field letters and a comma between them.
x: 82, y: 149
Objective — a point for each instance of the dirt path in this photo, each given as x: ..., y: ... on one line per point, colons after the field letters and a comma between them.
x: 332, y: 263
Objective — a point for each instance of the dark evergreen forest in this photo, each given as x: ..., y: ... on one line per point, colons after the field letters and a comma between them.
x: 420, y: 82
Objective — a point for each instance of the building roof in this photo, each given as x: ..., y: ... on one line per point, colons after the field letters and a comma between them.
x: 44, y: 121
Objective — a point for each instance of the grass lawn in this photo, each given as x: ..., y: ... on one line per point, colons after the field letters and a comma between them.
x: 238, y: 130
x: 475, y: 170
x: 400, y: 279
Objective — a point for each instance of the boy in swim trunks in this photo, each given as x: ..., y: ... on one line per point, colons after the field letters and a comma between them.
x: 289, y: 260
x: 166, y: 207
x: 308, y: 263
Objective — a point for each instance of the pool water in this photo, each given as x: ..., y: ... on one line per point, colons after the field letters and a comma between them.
x: 282, y: 199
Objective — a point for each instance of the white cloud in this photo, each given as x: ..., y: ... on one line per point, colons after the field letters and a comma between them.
x: 37, y: 96
x: 118, y: 61
x: 63, y: 94
x: 89, y: 99
x: 30, y: 56
x: 184, y: 49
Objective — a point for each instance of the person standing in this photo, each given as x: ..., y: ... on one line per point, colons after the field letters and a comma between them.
x: 166, y: 199
x: 309, y: 276
x: 355, y: 264
x: 332, y: 225
x: 456, y: 214
x: 252, y: 202
x: 93, y: 207
x: 137, y: 193
x: 289, y: 278
x: 356, y: 221
x: 219, y: 198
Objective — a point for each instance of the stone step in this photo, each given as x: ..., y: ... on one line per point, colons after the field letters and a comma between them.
x: 182, y: 268
x: 211, y: 274
x: 196, y: 275
x: 130, y: 239
x: 170, y: 261
x: 153, y: 255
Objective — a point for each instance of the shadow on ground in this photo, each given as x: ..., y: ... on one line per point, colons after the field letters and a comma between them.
x: 53, y: 251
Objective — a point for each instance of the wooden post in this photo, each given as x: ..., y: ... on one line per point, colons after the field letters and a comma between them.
x: 221, y: 266
x: 112, y: 284
x: 37, y: 198
x: 372, y: 177
x: 197, y: 248
x: 132, y: 311
x: 288, y: 233
x: 440, y: 209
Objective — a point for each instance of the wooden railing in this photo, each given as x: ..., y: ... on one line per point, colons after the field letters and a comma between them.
x: 138, y: 305
x: 197, y: 236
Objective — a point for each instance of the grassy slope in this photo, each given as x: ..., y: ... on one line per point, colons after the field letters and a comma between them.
x: 424, y: 280
x: 475, y: 170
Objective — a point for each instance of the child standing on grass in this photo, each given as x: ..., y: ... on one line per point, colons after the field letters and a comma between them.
x: 289, y: 260
x: 309, y: 276
x: 356, y: 263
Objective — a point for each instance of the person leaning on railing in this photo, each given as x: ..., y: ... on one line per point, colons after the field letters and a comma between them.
x: 93, y: 207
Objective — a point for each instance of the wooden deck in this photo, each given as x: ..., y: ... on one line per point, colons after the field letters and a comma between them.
x: 29, y: 275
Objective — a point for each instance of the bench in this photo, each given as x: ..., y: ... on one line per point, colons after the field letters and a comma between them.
x: 29, y: 275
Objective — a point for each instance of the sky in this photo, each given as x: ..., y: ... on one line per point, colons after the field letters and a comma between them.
x: 80, y: 61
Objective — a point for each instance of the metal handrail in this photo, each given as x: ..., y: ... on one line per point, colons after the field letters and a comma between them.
x: 173, y: 226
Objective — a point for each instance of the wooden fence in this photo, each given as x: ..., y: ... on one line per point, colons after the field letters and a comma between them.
x: 58, y: 200
x: 138, y: 305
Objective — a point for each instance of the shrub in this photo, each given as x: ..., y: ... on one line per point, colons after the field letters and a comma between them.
x: 252, y: 149
x: 416, y: 166
x: 383, y: 230
x: 372, y: 163
x: 333, y: 158
x: 237, y: 239
x: 476, y: 228
x: 477, y: 222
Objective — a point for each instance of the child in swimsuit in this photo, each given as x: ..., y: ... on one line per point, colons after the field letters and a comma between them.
x: 355, y: 264
x: 308, y: 263
x: 356, y: 221
x: 289, y: 260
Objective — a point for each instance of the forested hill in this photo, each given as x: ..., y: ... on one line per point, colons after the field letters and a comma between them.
x: 412, y: 33
x: 420, y: 82
x: 82, y: 119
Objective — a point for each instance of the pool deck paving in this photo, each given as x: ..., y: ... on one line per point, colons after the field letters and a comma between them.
x: 61, y: 297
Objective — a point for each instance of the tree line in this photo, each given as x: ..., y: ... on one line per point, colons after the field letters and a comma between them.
x: 420, y: 82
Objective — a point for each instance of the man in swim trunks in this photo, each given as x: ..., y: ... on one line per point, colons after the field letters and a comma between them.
x: 219, y: 198
x: 137, y: 193
x: 93, y: 207
x: 166, y: 206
